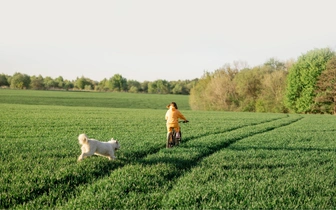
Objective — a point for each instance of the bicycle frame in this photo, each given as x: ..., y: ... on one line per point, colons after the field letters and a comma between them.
x: 171, y: 137
x: 172, y: 140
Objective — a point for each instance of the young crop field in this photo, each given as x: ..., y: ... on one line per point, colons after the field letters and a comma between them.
x: 226, y: 160
x: 91, y: 99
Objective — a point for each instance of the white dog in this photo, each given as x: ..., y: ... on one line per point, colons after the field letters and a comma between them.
x: 92, y: 146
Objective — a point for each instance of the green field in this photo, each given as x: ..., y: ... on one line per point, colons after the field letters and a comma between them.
x: 226, y: 160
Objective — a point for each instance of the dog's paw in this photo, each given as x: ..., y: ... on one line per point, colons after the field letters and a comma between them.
x: 112, y: 158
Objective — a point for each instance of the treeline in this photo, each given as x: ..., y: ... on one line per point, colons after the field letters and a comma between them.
x: 307, y: 85
x: 117, y: 83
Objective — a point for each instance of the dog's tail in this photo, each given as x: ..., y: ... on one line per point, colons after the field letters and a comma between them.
x: 83, y: 139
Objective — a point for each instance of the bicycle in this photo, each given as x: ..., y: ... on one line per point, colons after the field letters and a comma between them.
x: 173, y: 139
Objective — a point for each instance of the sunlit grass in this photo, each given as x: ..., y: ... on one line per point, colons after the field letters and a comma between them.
x: 226, y: 160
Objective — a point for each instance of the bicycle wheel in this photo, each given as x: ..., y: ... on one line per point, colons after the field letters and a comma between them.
x: 170, y: 140
x: 178, y: 140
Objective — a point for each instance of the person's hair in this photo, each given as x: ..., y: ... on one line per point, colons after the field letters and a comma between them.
x: 172, y: 103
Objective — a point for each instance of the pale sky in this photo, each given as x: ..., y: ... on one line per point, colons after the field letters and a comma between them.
x: 156, y: 39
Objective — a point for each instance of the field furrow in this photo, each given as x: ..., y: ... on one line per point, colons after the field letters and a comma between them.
x: 226, y: 160
x: 151, y: 178
x: 40, y: 142
x: 284, y: 168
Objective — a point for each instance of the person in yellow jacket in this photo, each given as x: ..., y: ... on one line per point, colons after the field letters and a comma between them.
x: 172, y: 117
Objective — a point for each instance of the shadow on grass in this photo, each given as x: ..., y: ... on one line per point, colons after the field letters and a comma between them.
x: 175, y: 155
x: 61, y: 184
x: 209, y: 133
x: 86, y: 172
x: 301, y: 149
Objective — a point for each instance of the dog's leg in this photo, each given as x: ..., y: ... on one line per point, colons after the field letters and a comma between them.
x: 84, y: 155
x: 84, y: 149
x: 112, y: 157
x: 81, y: 157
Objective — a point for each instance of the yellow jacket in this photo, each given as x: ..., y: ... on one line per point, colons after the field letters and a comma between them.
x: 172, y: 116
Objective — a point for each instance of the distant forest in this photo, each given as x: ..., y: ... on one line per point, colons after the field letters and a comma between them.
x: 305, y: 85
x: 117, y: 83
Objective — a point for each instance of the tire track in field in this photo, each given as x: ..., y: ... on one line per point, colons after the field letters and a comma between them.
x: 229, y: 129
x: 181, y: 160
x: 78, y: 176
x: 205, y: 147
x: 136, y: 155
x: 191, y: 142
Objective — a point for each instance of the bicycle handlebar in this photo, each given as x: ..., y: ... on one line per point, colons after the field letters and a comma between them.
x: 183, y: 121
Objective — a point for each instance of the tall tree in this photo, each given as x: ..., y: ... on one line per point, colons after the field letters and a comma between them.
x: 326, y: 89
x: 144, y: 86
x: 3, y: 80
x: 68, y: 85
x: 37, y: 83
x: 181, y: 86
x: 103, y: 85
x: 49, y: 83
x: 221, y: 90
x: 198, y: 94
x: 301, y: 81
x: 159, y: 87
x: 118, y: 83
x: 275, y: 64
x: 133, y: 86
x: 20, y: 81
x: 59, y: 82
x: 272, y: 92
x: 248, y: 88
x: 83, y: 83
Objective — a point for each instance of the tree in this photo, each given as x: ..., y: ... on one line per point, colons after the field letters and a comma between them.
x: 20, y: 81
x: 326, y: 89
x: 302, y: 78
x: 59, y: 82
x: 178, y: 89
x: 118, y: 83
x: 3, y: 80
x: 133, y: 86
x: 103, y: 85
x: 181, y: 87
x: 275, y: 64
x: 189, y: 85
x: 273, y: 88
x: 144, y: 86
x: 37, y: 83
x: 68, y: 85
x: 159, y: 87
x: 49, y: 83
x: 152, y: 87
x: 163, y: 86
x: 248, y: 87
x: 197, y: 98
x: 222, y: 90
x: 83, y: 83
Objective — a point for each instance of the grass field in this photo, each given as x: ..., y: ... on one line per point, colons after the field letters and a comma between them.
x: 226, y: 160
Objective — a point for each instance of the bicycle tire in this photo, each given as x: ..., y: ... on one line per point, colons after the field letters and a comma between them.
x: 170, y: 140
